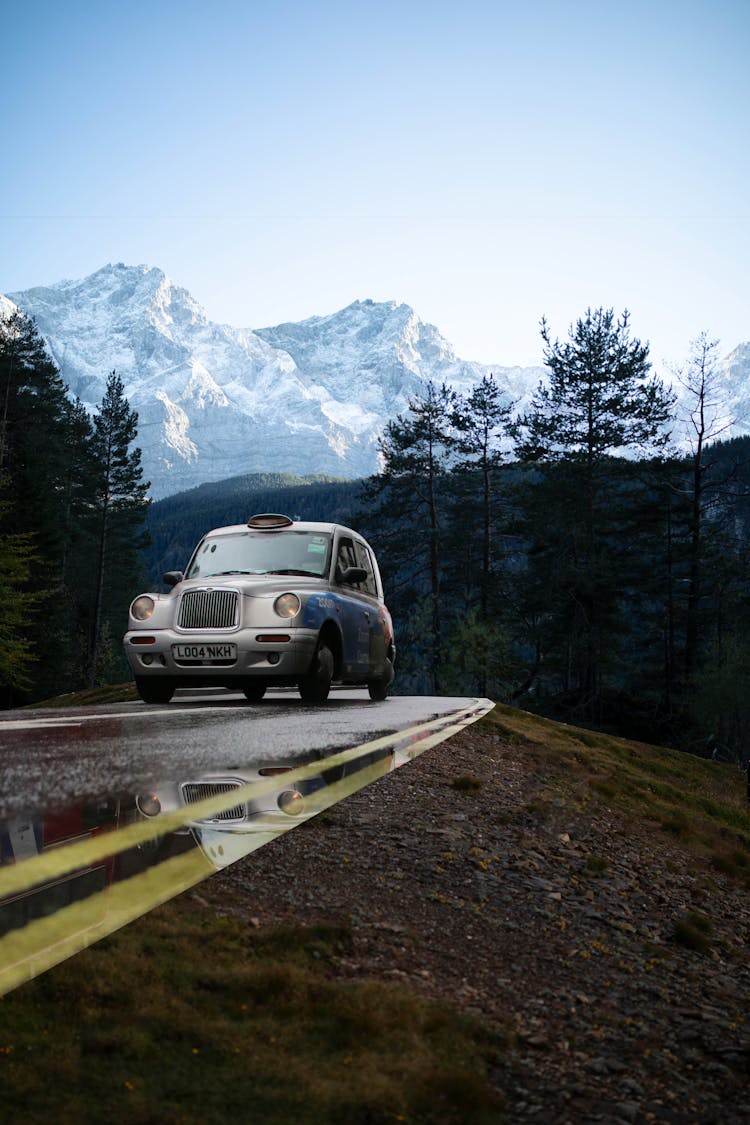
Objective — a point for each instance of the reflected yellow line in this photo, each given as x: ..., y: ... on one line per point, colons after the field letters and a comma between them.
x: 44, y: 942
x: 85, y: 853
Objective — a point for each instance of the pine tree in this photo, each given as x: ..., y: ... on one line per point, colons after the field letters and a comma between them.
x: 480, y: 423
x: 416, y: 451
x: 599, y: 405
x: 120, y: 507
x: 37, y: 446
x: 17, y: 609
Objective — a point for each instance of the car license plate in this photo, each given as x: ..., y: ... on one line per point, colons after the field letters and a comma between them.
x: 204, y: 653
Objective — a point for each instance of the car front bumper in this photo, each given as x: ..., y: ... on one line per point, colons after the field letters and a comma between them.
x: 280, y: 654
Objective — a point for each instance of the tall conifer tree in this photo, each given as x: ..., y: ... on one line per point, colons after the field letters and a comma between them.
x: 481, y: 422
x: 599, y: 404
x: 37, y: 446
x: 120, y: 506
x: 416, y: 451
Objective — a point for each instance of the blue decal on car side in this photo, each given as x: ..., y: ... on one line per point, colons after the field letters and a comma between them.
x: 319, y: 607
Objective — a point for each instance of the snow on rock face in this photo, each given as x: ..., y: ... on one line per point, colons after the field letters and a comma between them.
x: 735, y: 373
x: 214, y: 401
x: 310, y: 397
x: 7, y: 308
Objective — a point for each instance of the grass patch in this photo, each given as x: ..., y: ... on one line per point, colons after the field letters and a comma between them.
x: 596, y: 864
x: 701, y: 804
x: 694, y: 931
x: 732, y: 861
x: 189, y: 1018
x: 109, y: 693
x: 677, y: 824
x: 466, y: 784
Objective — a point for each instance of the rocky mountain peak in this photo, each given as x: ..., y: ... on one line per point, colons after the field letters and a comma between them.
x: 216, y: 401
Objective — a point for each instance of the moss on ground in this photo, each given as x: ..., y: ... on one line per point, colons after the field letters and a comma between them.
x: 701, y: 802
x: 192, y: 1018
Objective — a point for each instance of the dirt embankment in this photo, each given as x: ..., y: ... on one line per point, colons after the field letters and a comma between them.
x: 620, y: 964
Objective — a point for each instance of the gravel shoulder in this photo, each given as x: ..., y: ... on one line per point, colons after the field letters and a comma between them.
x: 549, y: 916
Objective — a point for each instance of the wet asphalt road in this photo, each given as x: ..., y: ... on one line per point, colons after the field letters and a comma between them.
x: 50, y: 759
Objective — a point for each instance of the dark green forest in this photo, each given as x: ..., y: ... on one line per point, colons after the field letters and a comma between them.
x: 566, y: 559
x: 72, y: 525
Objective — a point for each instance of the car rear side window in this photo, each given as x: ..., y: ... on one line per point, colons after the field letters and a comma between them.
x: 364, y: 560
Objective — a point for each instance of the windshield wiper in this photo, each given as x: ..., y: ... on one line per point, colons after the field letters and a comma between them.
x: 221, y: 573
x: 308, y: 573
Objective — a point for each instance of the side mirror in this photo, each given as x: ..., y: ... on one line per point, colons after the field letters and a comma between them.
x: 172, y: 577
x: 352, y: 575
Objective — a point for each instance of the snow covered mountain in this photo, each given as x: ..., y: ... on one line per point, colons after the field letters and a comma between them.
x: 214, y: 401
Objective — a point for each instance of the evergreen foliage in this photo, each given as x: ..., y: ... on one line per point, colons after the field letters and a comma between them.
x: 38, y: 450
x: 480, y: 422
x: 120, y: 503
x: 54, y: 475
x: 417, y: 452
x: 599, y: 406
x: 599, y: 400
x: 17, y: 607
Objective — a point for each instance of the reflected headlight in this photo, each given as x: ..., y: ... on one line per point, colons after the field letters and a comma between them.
x: 148, y: 804
x: 291, y: 802
x: 287, y: 605
x: 142, y: 607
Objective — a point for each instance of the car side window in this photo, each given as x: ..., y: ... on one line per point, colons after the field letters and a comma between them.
x: 364, y: 560
x: 344, y: 558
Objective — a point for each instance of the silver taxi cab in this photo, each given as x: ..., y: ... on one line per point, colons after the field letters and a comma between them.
x: 273, y: 601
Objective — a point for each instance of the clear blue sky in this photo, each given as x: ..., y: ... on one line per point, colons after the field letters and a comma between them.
x: 486, y: 163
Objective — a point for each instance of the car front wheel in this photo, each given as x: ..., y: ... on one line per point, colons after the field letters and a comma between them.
x: 155, y: 690
x: 316, y: 683
x: 254, y: 692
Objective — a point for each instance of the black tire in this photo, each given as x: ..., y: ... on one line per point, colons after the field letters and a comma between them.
x: 316, y: 683
x: 254, y: 692
x: 378, y: 687
x: 378, y: 690
x: 153, y: 690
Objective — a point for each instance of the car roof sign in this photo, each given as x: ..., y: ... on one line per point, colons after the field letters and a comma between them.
x: 269, y: 521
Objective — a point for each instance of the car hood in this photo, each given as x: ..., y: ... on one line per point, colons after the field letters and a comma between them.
x: 255, y: 586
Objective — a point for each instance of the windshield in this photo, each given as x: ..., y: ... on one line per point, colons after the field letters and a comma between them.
x: 262, y: 552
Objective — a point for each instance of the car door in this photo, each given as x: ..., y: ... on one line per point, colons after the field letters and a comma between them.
x: 356, y: 614
x: 378, y: 643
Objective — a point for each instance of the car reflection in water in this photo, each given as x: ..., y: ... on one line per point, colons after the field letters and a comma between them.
x: 69, y: 878
x: 282, y: 795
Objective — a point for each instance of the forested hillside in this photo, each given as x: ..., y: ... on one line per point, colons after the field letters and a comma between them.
x: 564, y: 559
x: 177, y: 523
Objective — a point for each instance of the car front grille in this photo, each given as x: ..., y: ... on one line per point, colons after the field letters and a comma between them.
x: 194, y: 791
x: 208, y: 609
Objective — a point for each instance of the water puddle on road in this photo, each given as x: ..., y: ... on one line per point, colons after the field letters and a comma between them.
x: 71, y: 877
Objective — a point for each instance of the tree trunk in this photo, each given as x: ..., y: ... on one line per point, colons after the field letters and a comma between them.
x: 99, y: 594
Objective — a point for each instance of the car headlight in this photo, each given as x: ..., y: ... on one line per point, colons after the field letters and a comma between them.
x: 142, y: 607
x: 287, y: 605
